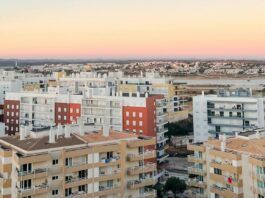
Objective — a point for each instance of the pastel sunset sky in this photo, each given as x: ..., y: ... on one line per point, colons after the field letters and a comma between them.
x: 132, y: 29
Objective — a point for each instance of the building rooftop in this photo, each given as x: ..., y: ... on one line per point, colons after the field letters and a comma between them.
x: 97, y: 136
x: 34, y: 144
x: 250, y: 146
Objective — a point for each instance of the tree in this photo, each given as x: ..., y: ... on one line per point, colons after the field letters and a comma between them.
x: 175, y: 185
x: 159, y: 189
x: 180, y: 128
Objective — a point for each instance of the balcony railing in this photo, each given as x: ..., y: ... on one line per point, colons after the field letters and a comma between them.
x: 35, y: 172
x: 196, y: 183
x: 149, y: 167
x: 141, y: 183
x: 141, y: 156
x: 196, y: 171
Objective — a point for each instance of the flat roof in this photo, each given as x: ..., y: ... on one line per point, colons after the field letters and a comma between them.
x: 34, y: 144
x: 251, y: 146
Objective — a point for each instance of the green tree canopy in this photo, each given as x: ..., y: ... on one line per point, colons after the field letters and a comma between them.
x: 175, y: 185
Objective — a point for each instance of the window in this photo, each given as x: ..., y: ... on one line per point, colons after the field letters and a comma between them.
x: 68, y: 192
x: 140, y: 115
x: 26, y: 168
x: 65, y: 110
x: 217, y: 128
x: 77, y: 110
x: 127, y: 122
x: 55, y: 161
x: 7, y: 120
x: 141, y: 123
x: 64, y: 117
x: 7, y: 113
x: 230, y: 114
x: 246, y: 123
x: 209, y: 120
x: 134, y: 123
x: 71, y: 110
x: 134, y: 114
x: 17, y: 106
x: 141, y: 131
x: 25, y: 184
x: 239, y: 114
x: 82, y: 188
x: 59, y: 109
x: 55, y: 177
x: 221, y: 113
x: 217, y: 171
x: 16, y: 113
x: 68, y: 162
x: 59, y: 117
x: 16, y: 121
x: 12, y: 113
x: 55, y: 192
x: 12, y: 107
x: 127, y: 114
x: 7, y: 106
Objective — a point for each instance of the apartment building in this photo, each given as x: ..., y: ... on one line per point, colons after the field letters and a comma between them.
x: 230, y: 167
x: 76, y: 161
x: 227, y: 112
x: 140, y: 114
x: 40, y: 110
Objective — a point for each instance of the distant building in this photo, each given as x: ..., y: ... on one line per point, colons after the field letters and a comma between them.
x: 226, y: 113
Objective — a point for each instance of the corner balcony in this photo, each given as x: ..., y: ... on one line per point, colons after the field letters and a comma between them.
x: 136, y: 184
x: 37, y: 173
x: 136, y: 170
x: 141, y: 156
x: 196, y: 171
x: 196, y: 183
x: 196, y: 159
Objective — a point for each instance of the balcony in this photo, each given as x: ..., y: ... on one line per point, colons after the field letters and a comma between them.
x: 196, y: 159
x: 196, y: 147
x: 37, y: 173
x: 225, y: 192
x: 196, y: 183
x: 226, y: 167
x: 147, y: 193
x: 135, y: 184
x: 141, y: 141
x: 141, y: 156
x: 162, y: 158
x: 76, y: 166
x: 109, y: 161
x: 38, y: 189
x: 76, y: 181
x: 109, y: 175
x: 258, y: 176
x: 108, y: 190
x: 230, y: 180
x: 196, y: 171
x: 149, y: 167
x: 259, y: 190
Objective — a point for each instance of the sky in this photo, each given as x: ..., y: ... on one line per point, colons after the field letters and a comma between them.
x: 122, y: 29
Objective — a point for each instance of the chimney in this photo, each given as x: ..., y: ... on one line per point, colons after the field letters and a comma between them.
x: 66, y: 131
x: 22, y: 134
x: 223, y: 143
x: 59, y: 130
x: 106, y: 129
x: 81, y: 126
x: 51, y: 135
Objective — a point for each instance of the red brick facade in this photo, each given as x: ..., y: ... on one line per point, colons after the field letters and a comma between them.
x: 11, y: 116
x: 67, y: 113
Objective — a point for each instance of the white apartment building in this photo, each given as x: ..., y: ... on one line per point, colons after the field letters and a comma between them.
x: 227, y: 112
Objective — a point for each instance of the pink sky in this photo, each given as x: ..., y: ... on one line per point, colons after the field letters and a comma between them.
x: 131, y: 29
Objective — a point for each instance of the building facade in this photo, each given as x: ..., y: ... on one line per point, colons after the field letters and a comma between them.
x: 75, y: 162
x: 228, y: 167
x: 228, y: 112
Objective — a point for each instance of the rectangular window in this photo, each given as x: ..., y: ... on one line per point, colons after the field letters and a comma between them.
x: 71, y: 110
x: 65, y: 110
x: 127, y: 114
x: 68, y: 162
x: 55, y: 192
x: 134, y: 123
x: 217, y: 171
x: 59, y: 109
x: 55, y: 162
x: 140, y: 115
x: 68, y: 192
x: 134, y: 114
x: 127, y: 122
x: 141, y: 123
x: 55, y: 177
x: 77, y: 110
x: 221, y: 113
